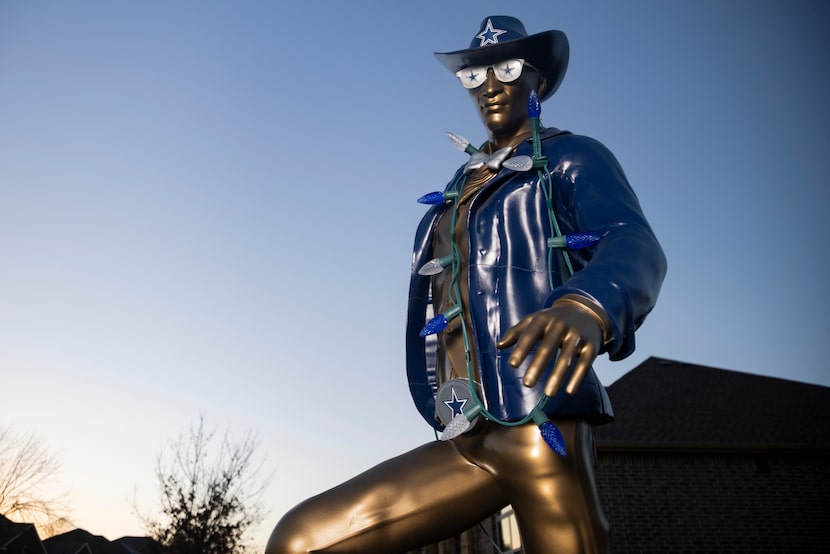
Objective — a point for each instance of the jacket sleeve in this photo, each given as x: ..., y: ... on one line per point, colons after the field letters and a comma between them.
x: 623, y: 272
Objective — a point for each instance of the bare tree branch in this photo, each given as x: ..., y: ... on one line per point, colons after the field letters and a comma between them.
x: 26, y: 469
x: 210, y: 497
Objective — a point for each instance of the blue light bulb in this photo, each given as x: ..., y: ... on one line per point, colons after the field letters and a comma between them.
x: 440, y: 322
x: 437, y: 197
x: 553, y: 438
x: 435, y: 325
x: 534, y: 106
x: 574, y: 241
x: 550, y: 432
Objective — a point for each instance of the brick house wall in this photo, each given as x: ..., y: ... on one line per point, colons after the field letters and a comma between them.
x: 716, y: 502
x: 702, y: 459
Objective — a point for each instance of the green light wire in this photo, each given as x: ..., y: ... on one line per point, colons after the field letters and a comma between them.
x: 455, y: 298
x: 546, y: 183
x: 547, y: 187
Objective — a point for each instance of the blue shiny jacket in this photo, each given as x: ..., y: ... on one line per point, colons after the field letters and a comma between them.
x: 508, y: 227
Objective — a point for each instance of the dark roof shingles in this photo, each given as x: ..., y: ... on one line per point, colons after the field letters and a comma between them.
x: 668, y: 402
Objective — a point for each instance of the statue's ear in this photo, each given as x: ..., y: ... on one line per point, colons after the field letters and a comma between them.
x: 541, y: 86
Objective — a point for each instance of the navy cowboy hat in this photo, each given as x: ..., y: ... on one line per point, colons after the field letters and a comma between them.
x: 502, y: 37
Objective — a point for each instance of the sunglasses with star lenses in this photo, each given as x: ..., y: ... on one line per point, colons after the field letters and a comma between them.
x: 506, y: 72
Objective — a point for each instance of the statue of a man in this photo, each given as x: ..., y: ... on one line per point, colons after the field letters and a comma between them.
x: 535, y: 259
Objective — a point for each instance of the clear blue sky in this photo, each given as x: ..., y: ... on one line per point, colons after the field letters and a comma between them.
x: 208, y: 207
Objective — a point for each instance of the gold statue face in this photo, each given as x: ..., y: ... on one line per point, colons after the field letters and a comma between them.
x: 502, y: 106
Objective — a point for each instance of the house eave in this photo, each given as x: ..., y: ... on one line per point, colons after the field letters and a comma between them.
x: 639, y: 447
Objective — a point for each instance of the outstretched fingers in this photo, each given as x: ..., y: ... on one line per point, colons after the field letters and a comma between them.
x: 575, y: 359
x: 534, y: 331
x: 566, y: 328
